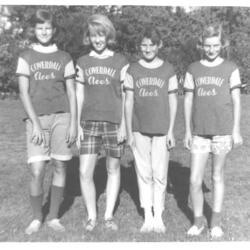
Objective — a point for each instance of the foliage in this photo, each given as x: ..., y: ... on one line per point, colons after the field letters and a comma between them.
x: 180, y: 30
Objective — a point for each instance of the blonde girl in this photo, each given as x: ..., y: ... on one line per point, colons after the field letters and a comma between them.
x: 212, y: 105
x: 100, y: 115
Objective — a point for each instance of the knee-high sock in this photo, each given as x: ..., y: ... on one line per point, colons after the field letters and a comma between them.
x: 55, y: 201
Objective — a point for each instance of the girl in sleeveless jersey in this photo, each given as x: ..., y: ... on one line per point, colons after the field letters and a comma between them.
x: 212, y: 102
x: 44, y: 72
x: 150, y: 107
x: 100, y: 114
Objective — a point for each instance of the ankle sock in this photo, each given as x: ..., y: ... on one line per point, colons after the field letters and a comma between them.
x: 198, y: 221
x: 216, y: 219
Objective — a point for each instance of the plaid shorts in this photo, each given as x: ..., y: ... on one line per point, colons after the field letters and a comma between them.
x: 214, y: 144
x: 98, y: 134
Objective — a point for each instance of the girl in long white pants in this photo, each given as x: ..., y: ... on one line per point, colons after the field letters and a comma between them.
x: 151, y: 157
x: 150, y: 109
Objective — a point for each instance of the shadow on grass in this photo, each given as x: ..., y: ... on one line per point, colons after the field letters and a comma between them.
x: 130, y: 185
x: 178, y: 185
x: 73, y: 188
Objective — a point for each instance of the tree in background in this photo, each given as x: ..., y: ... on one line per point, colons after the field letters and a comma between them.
x: 180, y: 30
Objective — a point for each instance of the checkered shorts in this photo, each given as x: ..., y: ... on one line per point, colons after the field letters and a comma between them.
x: 98, y: 134
x: 215, y: 144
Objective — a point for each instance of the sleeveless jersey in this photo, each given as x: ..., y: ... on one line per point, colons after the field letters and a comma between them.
x: 47, y: 73
x: 151, y: 105
x: 212, y: 103
x: 102, y: 87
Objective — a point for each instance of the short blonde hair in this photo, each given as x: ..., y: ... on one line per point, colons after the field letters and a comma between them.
x: 101, y: 25
x: 213, y: 30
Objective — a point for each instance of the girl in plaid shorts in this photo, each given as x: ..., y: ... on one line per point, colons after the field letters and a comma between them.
x: 100, y: 75
x: 212, y: 100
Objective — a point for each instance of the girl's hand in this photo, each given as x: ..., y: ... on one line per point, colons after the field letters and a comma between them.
x: 71, y: 134
x: 38, y: 135
x: 188, y: 140
x: 237, y: 139
x: 131, y: 140
x: 80, y: 137
x: 121, y: 134
x: 170, y: 141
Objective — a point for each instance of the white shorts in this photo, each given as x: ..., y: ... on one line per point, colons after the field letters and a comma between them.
x: 215, y: 144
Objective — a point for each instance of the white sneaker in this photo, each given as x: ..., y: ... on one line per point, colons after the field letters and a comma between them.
x: 33, y: 227
x: 56, y: 225
x: 216, y: 232
x: 159, y: 226
x: 195, y: 231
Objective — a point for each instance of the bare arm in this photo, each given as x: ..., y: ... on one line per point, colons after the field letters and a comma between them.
x: 122, y: 127
x: 72, y: 130
x: 172, y: 110
x: 80, y: 100
x: 129, y: 104
x: 38, y: 136
x: 237, y: 139
x: 188, y: 103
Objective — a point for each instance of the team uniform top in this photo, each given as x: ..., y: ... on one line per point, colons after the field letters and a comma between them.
x: 151, y: 87
x: 212, y: 105
x: 102, y: 76
x: 47, y: 69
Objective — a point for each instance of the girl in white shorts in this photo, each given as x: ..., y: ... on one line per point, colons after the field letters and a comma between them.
x: 212, y: 102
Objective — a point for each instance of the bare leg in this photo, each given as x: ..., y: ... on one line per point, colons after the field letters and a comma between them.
x: 37, y: 170
x: 113, y: 184
x: 218, y: 193
x: 198, y: 164
x: 87, y: 167
x: 218, y: 181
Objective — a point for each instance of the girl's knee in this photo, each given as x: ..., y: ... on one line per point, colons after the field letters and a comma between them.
x: 37, y: 171
x: 59, y: 169
x: 218, y: 178
x: 195, y: 183
x: 113, y: 165
x: 85, y: 173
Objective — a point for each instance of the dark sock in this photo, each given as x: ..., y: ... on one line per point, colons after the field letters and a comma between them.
x: 198, y: 221
x: 216, y: 219
x: 36, y: 204
x: 55, y: 201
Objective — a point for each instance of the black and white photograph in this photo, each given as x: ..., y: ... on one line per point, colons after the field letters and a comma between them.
x: 125, y: 122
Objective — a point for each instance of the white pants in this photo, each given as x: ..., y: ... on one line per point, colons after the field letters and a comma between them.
x: 151, y: 158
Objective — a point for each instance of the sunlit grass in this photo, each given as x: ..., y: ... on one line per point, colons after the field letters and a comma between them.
x: 15, y: 211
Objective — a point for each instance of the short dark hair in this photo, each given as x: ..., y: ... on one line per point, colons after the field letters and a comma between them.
x: 42, y: 16
x: 152, y: 33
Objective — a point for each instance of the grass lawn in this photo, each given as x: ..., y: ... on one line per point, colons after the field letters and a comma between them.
x: 15, y: 212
